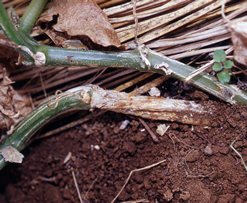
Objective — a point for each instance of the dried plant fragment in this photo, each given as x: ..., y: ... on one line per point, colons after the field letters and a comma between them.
x: 239, y: 40
x: 82, y: 18
x: 161, y: 129
x: 154, y: 92
x: 150, y: 107
x: 7, y: 55
x: 10, y: 154
x: 13, y: 107
x: 124, y: 124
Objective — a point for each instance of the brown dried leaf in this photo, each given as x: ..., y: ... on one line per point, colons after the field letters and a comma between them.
x: 82, y: 18
x: 14, y: 107
x: 7, y: 55
x: 57, y: 37
x: 239, y: 40
x: 6, y: 80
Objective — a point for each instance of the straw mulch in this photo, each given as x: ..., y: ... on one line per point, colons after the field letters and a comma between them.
x: 186, y: 30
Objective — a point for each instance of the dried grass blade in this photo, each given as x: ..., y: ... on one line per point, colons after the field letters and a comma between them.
x: 149, y: 12
x: 189, y: 18
x: 197, y: 52
x: 212, y: 33
x: 197, y: 45
x: 125, y: 7
x: 126, y: 33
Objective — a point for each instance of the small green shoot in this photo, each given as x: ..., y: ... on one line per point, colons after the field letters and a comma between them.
x: 219, y: 56
x: 221, y: 64
x: 224, y: 77
x: 231, y: 145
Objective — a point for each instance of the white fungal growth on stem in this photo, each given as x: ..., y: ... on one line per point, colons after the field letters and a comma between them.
x: 165, y: 67
x: 39, y: 58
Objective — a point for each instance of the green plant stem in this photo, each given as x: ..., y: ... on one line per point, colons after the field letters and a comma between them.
x: 131, y: 59
x: 12, y: 34
x: 31, y: 15
x: 91, y: 97
x: 37, y: 118
x: 8, y: 27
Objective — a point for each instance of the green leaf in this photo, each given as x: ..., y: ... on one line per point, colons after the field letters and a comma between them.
x: 224, y: 77
x: 228, y: 64
x: 217, y: 67
x: 219, y: 56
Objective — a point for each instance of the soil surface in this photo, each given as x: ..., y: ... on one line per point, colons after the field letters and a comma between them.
x: 199, y: 165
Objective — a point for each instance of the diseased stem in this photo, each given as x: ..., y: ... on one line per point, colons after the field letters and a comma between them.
x: 150, y: 107
x: 92, y: 96
x: 39, y: 117
x: 131, y: 59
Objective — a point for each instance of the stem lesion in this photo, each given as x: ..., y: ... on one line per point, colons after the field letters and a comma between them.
x: 91, y: 97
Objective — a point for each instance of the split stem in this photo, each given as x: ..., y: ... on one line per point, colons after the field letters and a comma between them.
x: 91, y: 97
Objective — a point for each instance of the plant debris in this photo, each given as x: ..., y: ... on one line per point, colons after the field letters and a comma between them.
x: 14, y: 107
x: 239, y: 39
x: 12, y: 155
x: 81, y: 18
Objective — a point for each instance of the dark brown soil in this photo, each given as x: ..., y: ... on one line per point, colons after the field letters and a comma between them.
x: 200, y: 166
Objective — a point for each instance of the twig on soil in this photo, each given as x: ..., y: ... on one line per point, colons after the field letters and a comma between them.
x: 193, y: 176
x: 31, y: 100
x: 231, y: 145
x: 184, y: 158
x: 197, y: 176
x: 172, y: 134
x: 137, y: 201
x: 173, y: 142
x: 154, y: 137
x: 51, y: 180
x: 77, y: 188
x: 135, y: 170
x: 85, y: 197
x: 67, y: 158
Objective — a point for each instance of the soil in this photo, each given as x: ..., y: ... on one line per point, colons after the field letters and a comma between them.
x: 199, y: 165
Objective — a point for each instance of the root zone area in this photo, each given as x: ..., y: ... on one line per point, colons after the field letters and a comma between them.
x: 200, y: 166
